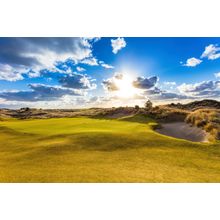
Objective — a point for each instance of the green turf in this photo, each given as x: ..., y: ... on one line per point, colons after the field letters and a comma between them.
x: 99, y: 150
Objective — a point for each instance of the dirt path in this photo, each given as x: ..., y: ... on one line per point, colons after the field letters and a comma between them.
x: 183, y: 131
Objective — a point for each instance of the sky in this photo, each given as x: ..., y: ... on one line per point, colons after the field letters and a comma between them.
x: 106, y: 72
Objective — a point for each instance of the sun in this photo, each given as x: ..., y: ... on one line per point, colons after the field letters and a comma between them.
x: 125, y: 87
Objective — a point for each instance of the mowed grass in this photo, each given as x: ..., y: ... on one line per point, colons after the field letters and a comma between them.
x: 99, y: 150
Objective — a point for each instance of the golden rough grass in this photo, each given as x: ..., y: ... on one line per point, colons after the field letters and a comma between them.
x: 208, y: 119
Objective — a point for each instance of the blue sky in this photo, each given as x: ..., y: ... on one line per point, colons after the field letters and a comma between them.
x: 105, y: 72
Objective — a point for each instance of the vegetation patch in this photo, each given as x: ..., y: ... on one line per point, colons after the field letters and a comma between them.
x: 208, y: 119
x: 101, y: 150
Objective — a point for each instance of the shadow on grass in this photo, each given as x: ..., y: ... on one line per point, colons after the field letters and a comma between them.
x: 137, y: 118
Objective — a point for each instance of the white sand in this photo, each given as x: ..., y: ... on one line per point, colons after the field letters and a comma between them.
x: 183, y: 131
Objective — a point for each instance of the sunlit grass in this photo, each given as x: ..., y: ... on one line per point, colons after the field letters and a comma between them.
x: 99, y: 150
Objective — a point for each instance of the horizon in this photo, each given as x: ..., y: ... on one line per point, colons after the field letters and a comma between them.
x: 73, y: 73
x: 127, y: 106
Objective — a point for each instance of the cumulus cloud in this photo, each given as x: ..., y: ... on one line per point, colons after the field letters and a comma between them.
x: 118, y: 75
x: 117, y: 44
x: 91, y: 61
x: 145, y: 83
x: 111, y: 83
x: 147, y: 89
x: 80, y: 69
x: 92, y: 39
x: 8, y: 73
x: 158, y: 94
x: 205, y: 88
x: 106, y: 66
x: 64, y: 102
x: 34, y: 54
x: 152, y: 91
x: 87, y: 101
x: 170, y: 85
x: 192, y: 62
x: 39, y: 92
x: 217, y: 75
x: 170, y: 96
x: 211, y: 52
x: 77, y: 81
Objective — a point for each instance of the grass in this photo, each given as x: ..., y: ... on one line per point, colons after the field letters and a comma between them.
x: 207, y: 119
x: 99, y: 150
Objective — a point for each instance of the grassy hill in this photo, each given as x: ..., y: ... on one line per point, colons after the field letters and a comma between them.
x: 100, y: 150
x: 206, y: 103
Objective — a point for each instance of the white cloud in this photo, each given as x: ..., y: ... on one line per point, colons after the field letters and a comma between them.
x: 106, y: 66
x: 158, y: 94
x: 80, y: 69
x: 145, y: 83
x: 33, y: 74
x: 110, y: 84
x: 77, y: 81
x: 118, y: 44
x: 64, y: 102
x: 211, y: 52
x: 8, y: 73
x: 35, y: 54
x: 40, y: 92
x: 192, y: 62
x: 201, y: 89
x: 92, y: 39
x: 217, y: 75
x: 170, y: 83
x: 91, y: 61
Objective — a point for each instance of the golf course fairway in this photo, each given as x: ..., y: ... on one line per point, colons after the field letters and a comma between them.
x: 101, y: 150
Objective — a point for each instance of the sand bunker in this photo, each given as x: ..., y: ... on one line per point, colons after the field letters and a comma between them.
x: 183, y: 131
